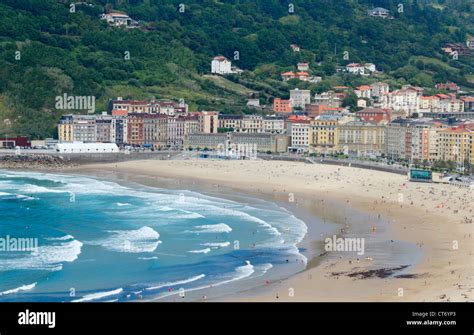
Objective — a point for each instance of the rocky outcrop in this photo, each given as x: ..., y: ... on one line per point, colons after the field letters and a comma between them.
x: 33, y: 162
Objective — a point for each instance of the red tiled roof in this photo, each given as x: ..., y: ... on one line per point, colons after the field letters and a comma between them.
x: 119, y: 112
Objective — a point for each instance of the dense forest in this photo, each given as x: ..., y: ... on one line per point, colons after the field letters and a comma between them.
x: 47, y: 49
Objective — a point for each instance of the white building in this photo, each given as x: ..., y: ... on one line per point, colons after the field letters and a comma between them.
x: 380, y: 93
x: 406, y: 99
x: 379, y: 12
x: 86, y: 148
x: 295, y: 47
x: 303, y: 66
x: 299, y: 133
x: 363, y: 91
x: 253, y: 102
x: 252, y: 124
x: 329, y: 98
x: 300, y: 98
x: 361, y: 69
x: 118, y: 19
x: 448, y: 103
x: 273, y: 125
x: 221, y: 65
x: 379, y: 89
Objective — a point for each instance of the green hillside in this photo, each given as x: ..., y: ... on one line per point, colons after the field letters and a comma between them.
x: 47, y: 50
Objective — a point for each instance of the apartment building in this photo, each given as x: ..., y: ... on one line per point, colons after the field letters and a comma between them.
x: 135, y: 129
x: 362, y: 138
x: 65, y: 128
x: 324, y: 134
x: 300, y: 98
x: 282, y: 106
x: 456, y: 144
x: 155, y: 130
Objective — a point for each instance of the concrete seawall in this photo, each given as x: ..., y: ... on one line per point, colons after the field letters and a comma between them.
x: 115, y: 157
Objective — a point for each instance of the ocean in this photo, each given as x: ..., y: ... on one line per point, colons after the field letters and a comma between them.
x: 100, y: 241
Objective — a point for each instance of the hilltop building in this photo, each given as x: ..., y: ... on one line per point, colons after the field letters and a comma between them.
x: 363, y: 69
x: 119, y: 19
x: 221, y: 65
x: 379, y: 12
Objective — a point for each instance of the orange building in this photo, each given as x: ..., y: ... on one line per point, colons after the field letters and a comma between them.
x: 135, y: 129
x: 282, y: 106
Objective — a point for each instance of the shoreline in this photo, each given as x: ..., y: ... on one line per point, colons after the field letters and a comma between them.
x: 442, y: 273
x: 425, y: 218
x: 307, y: 246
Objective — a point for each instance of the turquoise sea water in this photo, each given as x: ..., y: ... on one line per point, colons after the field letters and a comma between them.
x: 101, y: 241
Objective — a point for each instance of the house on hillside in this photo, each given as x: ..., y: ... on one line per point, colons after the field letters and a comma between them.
x: 303, y: 66
x: 221, y: 65
x: 303, y: 76
x: 379, y: 12
x: 253, y: 100
x: 456, y: 48
x: 119, y: 19
x: 363, y: 69
x: 295, y: 47
x: 448, y: 86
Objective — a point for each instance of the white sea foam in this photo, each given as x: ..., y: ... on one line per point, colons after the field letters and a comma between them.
x: 165, y: 209
x: 62, y: 238
x: 99, y: 295
x: 16, y: 196
x: 240, y: 273
x: 141, y: 240
x: 213, y: 228
x: 187, y: 216
x: 202, y: 251
x: 181, y: 282
x: 216, y: 245
x: 25, y: 197
x: 147, y: 258
x: 19, y: 289
x: 265, y: 267
x: 28, y: 188
x: 48, y: 258
x: 120, y: 204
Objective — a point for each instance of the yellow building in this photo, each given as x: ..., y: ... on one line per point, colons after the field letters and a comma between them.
x: 65, y: 129
x: 362, y: 139
x: 324, y: 135
x: 209, y: 122
x: 457, y: 145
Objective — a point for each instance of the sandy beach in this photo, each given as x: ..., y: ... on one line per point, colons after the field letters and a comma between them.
x: 430, y: 216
